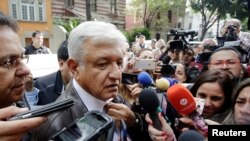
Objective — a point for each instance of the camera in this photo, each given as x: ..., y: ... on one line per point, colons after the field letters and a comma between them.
x: 182, y: 32
x: 168, y: 70
x: 176, y: 44
x: 231, y: 35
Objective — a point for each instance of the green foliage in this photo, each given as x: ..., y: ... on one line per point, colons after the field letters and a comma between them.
x: 68, y: 25
x: 232, y: 7
x: 135, y: 32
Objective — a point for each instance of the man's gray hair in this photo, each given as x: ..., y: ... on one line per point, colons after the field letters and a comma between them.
x: 97, y: 32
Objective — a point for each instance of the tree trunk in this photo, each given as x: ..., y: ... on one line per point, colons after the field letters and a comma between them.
x: 88, y: 12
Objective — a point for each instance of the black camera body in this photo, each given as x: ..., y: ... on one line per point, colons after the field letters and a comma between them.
x: 182, y: 32
x: 231, y: 34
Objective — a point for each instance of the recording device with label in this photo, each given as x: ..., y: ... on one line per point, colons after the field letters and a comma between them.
x: 45, y: 109
x: 93, y: 126
x: 184, y: 103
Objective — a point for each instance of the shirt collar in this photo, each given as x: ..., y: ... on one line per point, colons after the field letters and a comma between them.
x: 91, y: 102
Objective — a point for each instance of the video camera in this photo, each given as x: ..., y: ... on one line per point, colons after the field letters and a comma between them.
x: 182, y: 32
x: 181, y: 36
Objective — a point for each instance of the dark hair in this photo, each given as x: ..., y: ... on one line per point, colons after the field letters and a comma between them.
x: 243, y: 84
x: 62, y: 52
x: 8, y: 21
x: 35, y: 33
x: 224, y: 80
x: 225, y: 49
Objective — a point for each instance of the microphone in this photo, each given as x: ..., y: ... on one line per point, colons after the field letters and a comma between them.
x: 183, y: 102
x: 191, y: 135
x: 172, y: 81
x: 148, y: 99
x: 145, y: 79
x: 162, y: 84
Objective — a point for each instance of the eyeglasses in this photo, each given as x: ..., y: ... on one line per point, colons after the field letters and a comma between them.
x: 13, y: 62
x: 229, y: 63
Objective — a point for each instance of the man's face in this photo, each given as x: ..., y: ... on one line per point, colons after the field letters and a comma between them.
x: 37, y: 40
x: 226, y: 60
x: 100, y: 73
x: 12, y: 75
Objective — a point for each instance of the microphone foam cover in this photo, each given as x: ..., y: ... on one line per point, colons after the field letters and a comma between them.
x: 148, y: 99
x: 181, y: 99
x: 172, y: 81
x: 162, y: 84
x: 145, y: 79
x: 191, y: 135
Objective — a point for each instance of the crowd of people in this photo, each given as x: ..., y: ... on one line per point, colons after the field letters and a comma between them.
x: 92, y: 61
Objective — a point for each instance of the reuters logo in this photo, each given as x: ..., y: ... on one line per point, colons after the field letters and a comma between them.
x: 183, y: 101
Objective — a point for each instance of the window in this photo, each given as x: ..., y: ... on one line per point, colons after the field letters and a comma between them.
x: 28, y: 10
x: 69, y: 3
x: 40, y: 11
x: 93, y: 5
x: 14, y: 10
x: 113, y: 6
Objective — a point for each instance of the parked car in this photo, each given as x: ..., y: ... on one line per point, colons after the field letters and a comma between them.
x: 42, y: 64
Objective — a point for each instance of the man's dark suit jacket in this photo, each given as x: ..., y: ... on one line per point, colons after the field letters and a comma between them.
x: 58, y: 121
x: 50, y: 87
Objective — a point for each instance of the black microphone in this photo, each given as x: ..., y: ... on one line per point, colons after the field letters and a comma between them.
x: 148, y: 99
x: 191, y: 135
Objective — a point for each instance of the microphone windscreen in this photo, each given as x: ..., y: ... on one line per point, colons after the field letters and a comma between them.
x: 162, y: 84
x: 191, y: 135
x: 172, y: 81
x: 145, y: 79
x: 181, y: 99
x: 148, y: 99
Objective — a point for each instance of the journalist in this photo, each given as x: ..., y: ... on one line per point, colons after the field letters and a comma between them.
x: 232, y: 32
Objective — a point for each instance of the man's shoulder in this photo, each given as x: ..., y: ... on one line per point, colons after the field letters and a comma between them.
x: 29, y: 49
x: 245, y: 34
x: 47, y: 77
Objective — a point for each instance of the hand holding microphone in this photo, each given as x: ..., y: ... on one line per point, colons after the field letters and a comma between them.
x: 148, y: 99
x: 183, y: 102
x: 166, y: 132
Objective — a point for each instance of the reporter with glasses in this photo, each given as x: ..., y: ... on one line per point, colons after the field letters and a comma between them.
x: 228, y: 59
x: 13, y: 72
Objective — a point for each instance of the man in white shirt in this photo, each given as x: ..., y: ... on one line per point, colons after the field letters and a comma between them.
x: 95, y: 62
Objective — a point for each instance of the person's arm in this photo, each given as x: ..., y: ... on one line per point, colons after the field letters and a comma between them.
x: 14, y: 130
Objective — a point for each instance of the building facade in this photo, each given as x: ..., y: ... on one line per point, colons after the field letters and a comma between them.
x: 40, y: 15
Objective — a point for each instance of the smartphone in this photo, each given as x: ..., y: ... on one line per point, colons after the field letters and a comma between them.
x: 45, y: 110
x: 91, y: 127
x: 145, y: 64
x: 129, y: 78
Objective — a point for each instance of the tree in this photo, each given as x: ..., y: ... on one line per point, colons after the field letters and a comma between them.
x: 150, y: 8
x: 88, y: 11
x: 213, y: 10
x: 68, y: 25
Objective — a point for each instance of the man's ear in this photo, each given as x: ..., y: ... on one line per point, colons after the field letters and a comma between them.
x: 72, y: 65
